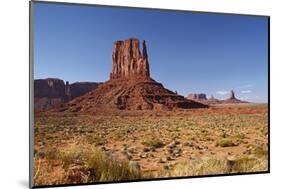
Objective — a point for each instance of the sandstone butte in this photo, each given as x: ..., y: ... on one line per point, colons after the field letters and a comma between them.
x: 130, y: 86
x: 50, y: 92
x: 201, y: 97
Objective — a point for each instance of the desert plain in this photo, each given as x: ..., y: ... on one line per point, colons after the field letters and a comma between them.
x: 223, y: 139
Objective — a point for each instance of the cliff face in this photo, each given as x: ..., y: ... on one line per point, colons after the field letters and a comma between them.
x: 51, y: 88
x: 81, y: 88
x: 128, y: 62
x: 51, y: 92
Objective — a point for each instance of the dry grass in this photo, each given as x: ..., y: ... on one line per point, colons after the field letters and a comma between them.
x: 80, y: 164
x: 225, y: 143
x: 74, y: 148
x: 201, y: 167
x: 108, y: 169
x: 153, y: 142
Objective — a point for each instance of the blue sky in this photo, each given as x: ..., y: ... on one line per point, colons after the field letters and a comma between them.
x: 188, y: 52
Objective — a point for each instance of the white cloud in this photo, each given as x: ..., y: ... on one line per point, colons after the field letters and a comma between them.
x: 246, y: 91
x: 246, y: 86
x: 244, y: 98
x: 222, y: 92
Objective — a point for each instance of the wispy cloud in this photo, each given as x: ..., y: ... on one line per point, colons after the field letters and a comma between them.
x: 244, y: 98
x: 245, y: 86
x: 246, y: 91
x: 222, y: 92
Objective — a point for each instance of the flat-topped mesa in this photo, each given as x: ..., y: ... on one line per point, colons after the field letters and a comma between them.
x: 197, y: 96
x: 128, y: 62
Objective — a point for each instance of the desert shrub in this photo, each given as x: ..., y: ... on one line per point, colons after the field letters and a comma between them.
x: 153, y: 142
x: 246, y: 164
x: 264, y: 131
x: 46, y: 174
x: 225, y: 143
x: 109, y: 169
x: 121, y: 133
x: 260, y: 151
x: 52, y: 154
x: 240, y: 136
x: 216, y: 166
x: 81, y: 164
x: 197, y: 167
x: 72, y: 154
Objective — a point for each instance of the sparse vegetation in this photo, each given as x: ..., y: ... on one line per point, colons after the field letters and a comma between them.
x: 261, y: 151
x: 71, y: 148
x: 153, y: 142
x: 111, y: 169
x: 201, y: 167
x: 225, y: 143
x: 81, y: 164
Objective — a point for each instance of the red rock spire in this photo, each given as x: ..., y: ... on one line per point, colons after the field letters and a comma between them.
x: 128, y: 62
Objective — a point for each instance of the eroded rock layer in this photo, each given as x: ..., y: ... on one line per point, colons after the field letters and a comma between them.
x: 50, y: 92
x: 128, y: 62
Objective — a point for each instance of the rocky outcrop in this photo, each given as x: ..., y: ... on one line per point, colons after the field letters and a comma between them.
x: 232, y: 95
x: 46, y: 103
x: 213, y: 100
x: 49, y: 93
x: 50, y: 88
x: 201, y: 97
x: 68, y: 91
x: 128, y: 95
x: 232, y: 99
x: 80, y: 88
x: 197, y: 96
x: 128, y: 62
x: 130, y: 86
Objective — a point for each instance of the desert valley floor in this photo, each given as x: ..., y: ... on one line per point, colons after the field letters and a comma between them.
x: 127, y: 145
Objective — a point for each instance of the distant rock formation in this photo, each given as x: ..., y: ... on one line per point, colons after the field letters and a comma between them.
x: 80, y: 88
x: 130, y: 86
x: 51, y: 88
x: 51, y: 92
x: 201, y: 97
x: 67, y: 91
x: 197, y: 96
x: 232, y: 95
x: 128, y: 61
x: 213, y: 100
x: 232, y: 99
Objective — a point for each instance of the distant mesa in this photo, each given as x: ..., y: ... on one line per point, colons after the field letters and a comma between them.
x: 198, y: 97
x: 51, y: 88
x: 50, y: 92
x: 201, y: 97
x: 130, y: 86
x: 80, y: 88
